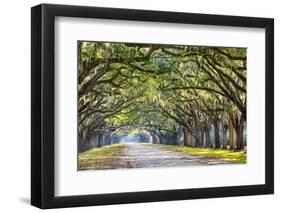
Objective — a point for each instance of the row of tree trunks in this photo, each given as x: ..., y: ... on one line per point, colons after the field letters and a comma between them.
x: 189, y: 139
x: 202, y: 138
x: 96, y: 140
x: 168, y: 139
x: 165, y: 137
x: 234, y: 125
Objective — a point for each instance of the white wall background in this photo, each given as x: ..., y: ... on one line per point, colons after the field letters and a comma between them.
x: 15, y: 106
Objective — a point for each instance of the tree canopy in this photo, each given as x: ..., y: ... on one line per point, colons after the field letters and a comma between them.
x: 168, y: 91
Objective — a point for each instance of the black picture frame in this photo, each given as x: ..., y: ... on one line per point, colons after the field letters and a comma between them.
x: 43, y: 102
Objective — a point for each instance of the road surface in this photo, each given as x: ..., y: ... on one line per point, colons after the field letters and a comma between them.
x: 145, y: 155
x: 136, y: 155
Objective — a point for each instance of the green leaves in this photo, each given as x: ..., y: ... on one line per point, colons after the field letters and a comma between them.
x: 124, y: 86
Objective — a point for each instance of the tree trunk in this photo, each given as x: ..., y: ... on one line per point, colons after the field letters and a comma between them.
x: 217, y: 134
x: 193, y: 141
x: 239, y: 133
x: 82, y: 145
x: 231, y: 132
x: 201, y: 143
x: 174, y: 139
x: 196, y: 141
x: 93, y: 141
x: 207, y: 138
x: 155, y: 139
x: 162, y: 139
x: 107, y: 139
x: 167, y: 140
x: 224, y: 131
x: 238, y: 124
x: 190, y: 140
x: 99, y: 142
x: 185, y: 136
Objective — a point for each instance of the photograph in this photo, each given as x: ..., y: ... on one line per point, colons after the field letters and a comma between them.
x: 142, y: 105
x: 133, y: 105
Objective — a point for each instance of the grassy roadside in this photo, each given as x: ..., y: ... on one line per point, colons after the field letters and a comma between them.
x: 98, y: 158
x: 226, y: 155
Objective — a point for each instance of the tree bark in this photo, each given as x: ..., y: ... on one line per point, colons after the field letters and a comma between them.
x: 224, y: 131
x: 200, y: 139
x: 239, y: 133
x: 155, y: 139
x: 99, y: 140
x: 189, y: 140
x: 174, y: 139
x: 207, y: 138
x: 217, y: 134
x: 231, y: 132
x: 185, y: 136
x: 193, y: 140
x: 238, y: 124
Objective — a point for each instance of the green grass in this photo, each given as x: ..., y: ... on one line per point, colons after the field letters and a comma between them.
x: 102, y: 154
x: 238, y: 157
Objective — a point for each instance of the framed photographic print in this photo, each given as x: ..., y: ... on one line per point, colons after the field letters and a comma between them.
x: 140, y: 106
